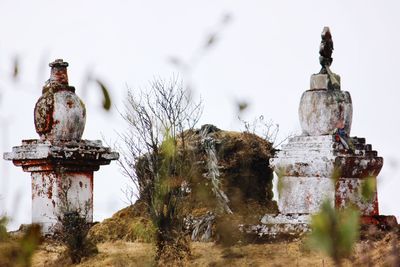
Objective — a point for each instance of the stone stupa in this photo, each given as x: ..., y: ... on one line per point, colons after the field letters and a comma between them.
x: 61, y: 163
x: 324, y: 162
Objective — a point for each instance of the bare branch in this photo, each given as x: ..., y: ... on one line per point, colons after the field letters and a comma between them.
x: 166, y: 107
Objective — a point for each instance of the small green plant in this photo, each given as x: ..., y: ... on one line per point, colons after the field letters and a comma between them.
x: 3, y: 229
x: 18, y: 251
x: 143, y: 230
x: 334, y: 231
x: 280, y: 172
x: 167, y: 200
x: 368, y: 188
x: 28, y: 244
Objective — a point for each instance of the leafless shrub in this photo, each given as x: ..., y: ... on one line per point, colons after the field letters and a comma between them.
x: 156, y: 158
x: 267, y: 129
x: 149, y: 115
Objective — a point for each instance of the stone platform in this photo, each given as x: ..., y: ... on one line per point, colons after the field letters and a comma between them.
x: 314, y: 168
x: 275, y: 227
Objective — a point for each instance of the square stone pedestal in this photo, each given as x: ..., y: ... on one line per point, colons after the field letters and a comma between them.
x: 312, y: 169
x: 61, y: 175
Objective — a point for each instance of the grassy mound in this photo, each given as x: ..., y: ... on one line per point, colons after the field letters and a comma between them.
x: 244, y: 176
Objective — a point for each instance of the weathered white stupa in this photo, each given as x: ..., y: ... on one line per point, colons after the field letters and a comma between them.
x: 324, y: 162
x: 60, y: 162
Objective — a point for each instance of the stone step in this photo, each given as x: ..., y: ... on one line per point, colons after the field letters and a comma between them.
x: 319, y: 138
x: 321, y: 142
x: 306, y: 153
x: 357, y: 140
x: 317, y: 167
x: 311, y: 155
x: 346, y: 153
x: 324, y: 138
x: 312, y: 145
x: 356, y: 152
x: 359, y: 167
x: 286, y: 218
x: 318, y: 153
x: 324, y: 146
x: 361, y: 146
x: 358, y: 146
x: 372, y: 153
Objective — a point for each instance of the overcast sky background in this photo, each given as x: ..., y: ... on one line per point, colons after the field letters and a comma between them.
x: 264, y: 56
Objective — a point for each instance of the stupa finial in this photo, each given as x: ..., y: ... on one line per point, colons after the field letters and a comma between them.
x: 325, y: 50
x: 58, y: 73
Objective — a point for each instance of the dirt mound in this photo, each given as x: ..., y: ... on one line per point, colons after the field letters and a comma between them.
x: 244, y: 173
x: 241, y: 167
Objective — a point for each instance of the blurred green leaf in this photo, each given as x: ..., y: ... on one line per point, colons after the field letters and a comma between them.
x: 368, y: 188
x: 15, y: 71
x: 226, y: 18
x: 348, y: 230
x: 175, y: 61
x: 3, y: 229
x: 29, y: 244
x: 106, y: 95
x: 336, y: 174
x: 211, y: 40
x: 334, y: 232
x: 280, y: 173
x: 242, y: 106
x: 168, y: 146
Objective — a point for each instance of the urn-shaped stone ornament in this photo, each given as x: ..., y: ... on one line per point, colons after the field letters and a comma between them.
x: 325, y: 107
x: 321, y: 111
x: 59, y: 113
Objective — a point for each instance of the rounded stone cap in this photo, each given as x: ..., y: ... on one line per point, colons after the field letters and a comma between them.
x: 322, y: 111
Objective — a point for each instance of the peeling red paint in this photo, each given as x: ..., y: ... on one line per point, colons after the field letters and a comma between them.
x: 70, y: 104
x: 379, y: 220
x: 59, y: 73
x: 50, y: 191
x: 348, y: 193
x: 360, y: 167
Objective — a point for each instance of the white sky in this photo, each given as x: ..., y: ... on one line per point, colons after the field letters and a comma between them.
x: 264, y: 56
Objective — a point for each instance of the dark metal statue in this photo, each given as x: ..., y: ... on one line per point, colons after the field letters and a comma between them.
x: 325, y: 50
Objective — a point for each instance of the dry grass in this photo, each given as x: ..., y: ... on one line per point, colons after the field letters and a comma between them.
x: 281, y: 254
x: 121, y: 253
x: 118, y: 253
x: 129, y: 224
